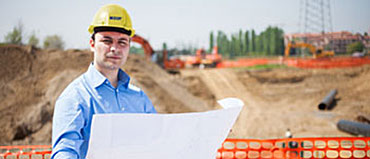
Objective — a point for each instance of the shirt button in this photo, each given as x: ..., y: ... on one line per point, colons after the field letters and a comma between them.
x: 117, y: 90
x: 122, y: 108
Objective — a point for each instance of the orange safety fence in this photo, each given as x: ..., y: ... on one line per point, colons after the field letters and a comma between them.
x: 336, y: 62
x: 244, y: 62
x: 324, y: 148
x: 323, y: 63
x: 339, y: 147
x: 25, y: 152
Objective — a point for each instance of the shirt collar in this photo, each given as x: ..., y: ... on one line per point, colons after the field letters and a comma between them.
x: 123, y: 78
x: 95, y: 78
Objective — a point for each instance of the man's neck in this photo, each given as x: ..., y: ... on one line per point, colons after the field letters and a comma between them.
x: 111, y: 75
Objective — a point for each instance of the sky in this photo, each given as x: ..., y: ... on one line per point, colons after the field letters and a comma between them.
x: 179, y: 23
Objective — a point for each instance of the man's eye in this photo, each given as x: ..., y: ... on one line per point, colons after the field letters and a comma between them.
x: 123, y: 43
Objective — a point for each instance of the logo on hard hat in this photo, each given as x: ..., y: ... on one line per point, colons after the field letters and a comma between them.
x: 115, y: 18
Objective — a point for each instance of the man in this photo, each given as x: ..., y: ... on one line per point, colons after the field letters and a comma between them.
x: 104, y: 88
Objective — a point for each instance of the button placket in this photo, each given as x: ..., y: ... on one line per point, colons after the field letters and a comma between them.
x: 118, y: 102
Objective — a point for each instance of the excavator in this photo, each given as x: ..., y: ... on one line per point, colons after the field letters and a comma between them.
x: 171, y: 65
x: 316, y: 52
x: 203, y: 59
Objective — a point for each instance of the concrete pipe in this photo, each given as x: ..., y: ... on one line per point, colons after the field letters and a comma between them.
x: 355, y: 128
x: 328, y: 100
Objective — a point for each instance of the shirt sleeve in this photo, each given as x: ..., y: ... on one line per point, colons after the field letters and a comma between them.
x: 68, y: 122
x: 149, y: 108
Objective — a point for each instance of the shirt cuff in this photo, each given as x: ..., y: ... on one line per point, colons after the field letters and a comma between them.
x: 64, y: 155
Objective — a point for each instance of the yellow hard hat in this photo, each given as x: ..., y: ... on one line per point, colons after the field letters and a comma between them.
x: 112, y: 17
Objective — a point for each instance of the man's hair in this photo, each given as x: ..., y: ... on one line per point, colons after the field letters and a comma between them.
x: 101, y: 29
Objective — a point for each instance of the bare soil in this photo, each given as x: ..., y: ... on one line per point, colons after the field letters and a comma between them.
x: 276, y: 99
x: 288, y: 98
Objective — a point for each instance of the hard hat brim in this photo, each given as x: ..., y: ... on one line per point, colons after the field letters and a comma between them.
x: 114, y: 29
x: 94, y: 29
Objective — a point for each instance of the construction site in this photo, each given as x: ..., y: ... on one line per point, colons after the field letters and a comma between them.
x: 309, y: 102
x: 276, y: 99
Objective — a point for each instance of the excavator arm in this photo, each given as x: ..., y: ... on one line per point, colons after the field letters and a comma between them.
x: 172, y: 64
x: 148, y: 50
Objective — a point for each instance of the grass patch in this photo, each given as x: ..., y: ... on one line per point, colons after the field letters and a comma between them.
x: 262, y: 67
x: 3, y: 44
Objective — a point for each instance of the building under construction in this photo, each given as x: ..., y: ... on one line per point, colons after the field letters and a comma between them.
x: 336, y: 41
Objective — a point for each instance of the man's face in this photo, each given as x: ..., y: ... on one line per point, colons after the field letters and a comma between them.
x: 110, y: 50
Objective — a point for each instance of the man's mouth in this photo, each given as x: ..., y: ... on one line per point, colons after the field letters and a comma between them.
x: 114, y: 57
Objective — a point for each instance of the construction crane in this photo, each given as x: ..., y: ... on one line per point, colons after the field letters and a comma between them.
x: 316, y: 52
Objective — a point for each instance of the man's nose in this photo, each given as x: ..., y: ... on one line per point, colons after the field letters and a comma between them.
x: 113, y: 48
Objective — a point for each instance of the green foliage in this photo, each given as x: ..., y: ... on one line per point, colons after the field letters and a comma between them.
x: 136, y: 50
x: 240, y: 43
x: 15, y: 36
x: 33, y: 40
x: 164, y: 46
x: 211, y: 41
x: 53, y: 42
x: 266, y: 66
x: 268, y: 43
x: 253, y: 41
x: 261, y: 67
x: 246, y: 47
x: 355, y: 47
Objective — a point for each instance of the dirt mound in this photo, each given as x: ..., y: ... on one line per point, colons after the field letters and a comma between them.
x: 16, y: 60
x: 166, y: 91
x: 32, y: 79
x: 29, y: 90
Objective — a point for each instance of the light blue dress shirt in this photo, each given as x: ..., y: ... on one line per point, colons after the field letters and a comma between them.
x: 90, y: 94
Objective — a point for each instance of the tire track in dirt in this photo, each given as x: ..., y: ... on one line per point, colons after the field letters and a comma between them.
x: 224, y: 83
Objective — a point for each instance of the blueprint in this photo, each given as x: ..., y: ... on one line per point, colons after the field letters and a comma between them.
x: 163, y: 136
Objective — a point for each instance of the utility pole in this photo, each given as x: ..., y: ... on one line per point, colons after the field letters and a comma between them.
x: 315, y: 17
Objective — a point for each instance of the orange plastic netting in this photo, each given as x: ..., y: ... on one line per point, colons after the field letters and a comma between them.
x: 336, y: 147
x: 324, y: 63
x: 343, y: 147
x: 25, y: 152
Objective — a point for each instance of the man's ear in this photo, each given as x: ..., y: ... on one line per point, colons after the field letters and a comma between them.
x: 92, y: 45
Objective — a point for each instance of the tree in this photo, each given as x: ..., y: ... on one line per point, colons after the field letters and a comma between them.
x: 164, y: 46
x: 259, y: 44
x: 223, y: 43
x: 53, y: 42
x: 273, y: 41
x: 266, y: 41
x: 269, y: 42
x: 15, y: 36
x: 240, y: 43
x: 246, y: 41
x: 211, y: 41
x: 280, y: 44
x: 232, y: 45
x: 355, y: 47
x: 253, y: 41
x: 33, y: 40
